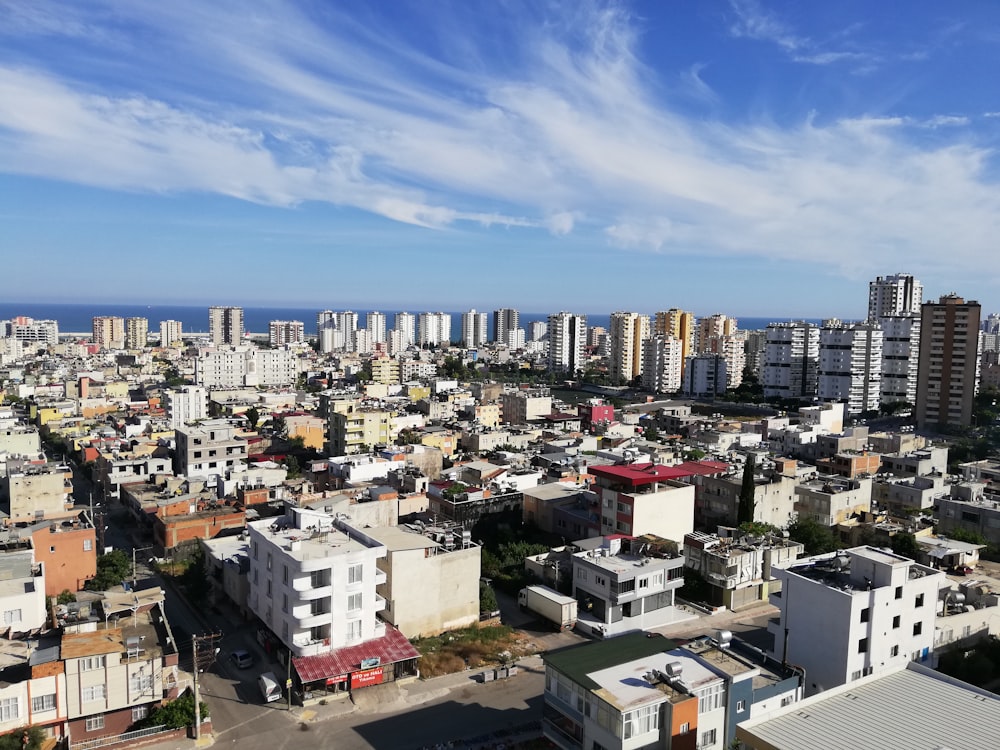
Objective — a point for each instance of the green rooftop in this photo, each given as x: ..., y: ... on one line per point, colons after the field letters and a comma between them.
x: 576, y: 662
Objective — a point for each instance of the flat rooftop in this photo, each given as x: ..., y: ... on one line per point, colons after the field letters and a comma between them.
x: 303, y: 544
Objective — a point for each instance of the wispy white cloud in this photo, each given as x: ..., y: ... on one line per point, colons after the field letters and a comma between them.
x: 566, y: 135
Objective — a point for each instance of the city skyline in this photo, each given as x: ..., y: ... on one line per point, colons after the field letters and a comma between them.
x: 760, y: 158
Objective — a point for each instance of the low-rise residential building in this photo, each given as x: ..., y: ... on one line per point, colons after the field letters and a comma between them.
x: 872, y: 611
x: 718, y: 498
x: 644, y: 498
x: 738, y: 569
x: 209, y: 449
x: 626, y: 583
x: 34, y: 489
x: 68, y: 550
x: 829, y: 500
x: 978, y: 514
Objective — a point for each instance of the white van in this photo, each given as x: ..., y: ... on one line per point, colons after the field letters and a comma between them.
x: 269, y: 687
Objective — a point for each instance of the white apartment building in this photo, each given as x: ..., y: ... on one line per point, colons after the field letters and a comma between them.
x: 28, y: 329
x: 830, y: 500
x: 375, y: 325
x: 312, y: 581
x: 171, y: 332
x: 567, y: 337
x: 209, y: 449
x: 521, y: 407
x: 136, y: 333
x: 732, y: 348
x: 713, y: 327
x: 434, y: 329
x: 850, y: 366
x: 791, y: 357
x: 189, y: 403
x: 406, y: 323
x: 505, y: 319
x: 900, y: 294
x: 662, y: 364
x: 705, y: 375
x: 872, y: 611
x: 282, y: 332
x: 397, y: 342
x: 225, y: 325
x: 537, y: 330
x: 475, y: 330
x: 628, y: 331
x: 22, y: 592
x: 246, y: 366
x: 900, y: 357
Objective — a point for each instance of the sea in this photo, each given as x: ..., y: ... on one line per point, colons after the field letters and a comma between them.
x: 77, y: 318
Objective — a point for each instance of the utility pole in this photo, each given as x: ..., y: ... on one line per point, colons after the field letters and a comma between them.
x: 134, y: 550
x: 288, y: 682
x: 200, y: 662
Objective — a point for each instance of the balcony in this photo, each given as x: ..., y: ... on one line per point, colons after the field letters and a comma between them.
x: 307, y: 595
x: 380, y: 603
x: 380, y: 577
x: 314, y: 620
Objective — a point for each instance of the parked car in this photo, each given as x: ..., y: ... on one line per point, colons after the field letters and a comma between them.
x: 962, y: 570
x: 241, y: 658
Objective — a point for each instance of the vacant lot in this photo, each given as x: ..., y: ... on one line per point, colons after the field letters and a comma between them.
x: 470, y: 648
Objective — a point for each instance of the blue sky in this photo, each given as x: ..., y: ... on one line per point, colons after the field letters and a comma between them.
x: 753, y: 158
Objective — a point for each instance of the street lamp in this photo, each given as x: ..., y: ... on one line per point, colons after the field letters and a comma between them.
x: 134, y: 550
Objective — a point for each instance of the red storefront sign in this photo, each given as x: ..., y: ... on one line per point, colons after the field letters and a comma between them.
x: 366, y: 678
x: 336, y: 680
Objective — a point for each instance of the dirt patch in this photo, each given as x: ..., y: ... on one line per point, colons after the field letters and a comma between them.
x: 471, y: 648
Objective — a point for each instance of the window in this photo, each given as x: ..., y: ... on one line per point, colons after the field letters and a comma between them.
x: 353, y: 602
x: 9, y: 710
x: 88, y: 545
x: 11, y: 616
x: 863, y: 646
x: 354, y: 630
x: 866, y: 614
x: 255, y: 550
x: 93, y: 693
x: 269, y: 563
x: 95, y: 722
x: 899, y: 592
x: 354, y: 573
x: 90, y: 663
x: 710, y: 698
x: 855, y: 675
x: 895, y: 622
x: 269, y: 587
x: 140, y: 683
x: 684, y: 728
x: 894, y: 651
x: 139, y: 712
x: 918, y: 628
x: 284, y: 603
x: 741, y: 706
x: 786, y: 701
x: 707, y: 738
x: 284, y: 574
x: 919, y: 601
x: 43, y: 702
x: 641, y: 721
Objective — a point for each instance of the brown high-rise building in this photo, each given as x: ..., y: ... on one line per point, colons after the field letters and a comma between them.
x: 949, y: 362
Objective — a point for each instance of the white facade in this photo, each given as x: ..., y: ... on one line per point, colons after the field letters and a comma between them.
x: 537, y: 330
x: 662, y: 364
x: 136, y: 333
x: 705, y: 375
x: 108, y: 332
x: 406, y: 323
x: 246, y: 366
x: 474, y: 329
x: 312, y: 581
x: 281, y: 332
x: 872, y: 611
x: 171, y: 332
x: 434, y: 329
x: 209, y: 449
x: 22, y: 592
x: 567, y: 334
x: 375, y: 325
x: 31, y: 330
x: 628, y: 331
x: 791, y: 358
x: 850, y: 366
x: 188, y: 403
x: 894, y: 295
x: 900, y: 357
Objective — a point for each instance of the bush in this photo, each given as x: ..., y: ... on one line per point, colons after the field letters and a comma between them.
x: 176, y: 715
x: 15, y: 740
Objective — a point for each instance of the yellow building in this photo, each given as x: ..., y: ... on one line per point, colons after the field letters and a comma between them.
x: 358, y: 431
x: 309, y: 428
x: 678, y: 324
x: 386, y: 371
x: 415, y: 392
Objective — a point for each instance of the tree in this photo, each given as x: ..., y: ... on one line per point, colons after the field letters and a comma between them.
x: 194, y: 579
x: 651, y: 433
x: 176, y: 715
x: 905, y: 545
x: 252, y: 416
x: 23, y: 738
x: 112, y: 568
x: 744, y: 511
x: 816, y: 538
x: 487, y: 599
x: 694, y: 454
x: 292, y: 466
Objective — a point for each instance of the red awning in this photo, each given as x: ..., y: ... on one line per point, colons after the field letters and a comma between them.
x: 389, y: 649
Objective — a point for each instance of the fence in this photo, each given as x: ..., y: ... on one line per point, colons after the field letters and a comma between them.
x: 115, y: 739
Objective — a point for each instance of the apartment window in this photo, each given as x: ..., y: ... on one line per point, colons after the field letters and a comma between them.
x: 741, y: 706
x: 707, y: 738
x: 710, y: 698
x: 43, y: 702
x: 11, y: 616
x: 140, y: 683
x: 855, y: 675
x: 354, y: 573
x: 641, y: 721
x: 919, y: 601
x: 95, y: 722
x: 284, y: 631
x: 9, y: 709
x: 894, y: 651
x: 256, y: 577
x: 786, y: 701
x: 354, y: 630
x: 316, y: 633
x: 52, y: 548
x: 269, y: 563
x: 90, y: 663
x: 684, y: 728
x: 269, y: 587
x: 139, y: 713
x: 353, y: 602
x: 866, y: 614
x: 895, y: 622
x: 918, y: 628
x: 863, y: 646
x: 93, y: 693
x: 284, y: 575
x: 284, y: 603
x: 88, y: 545
x: 899, y: 592
x: 255, y: 550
